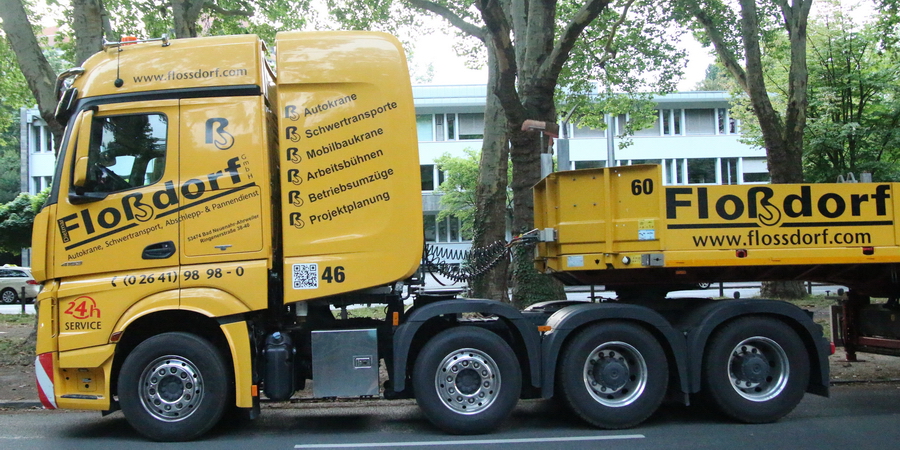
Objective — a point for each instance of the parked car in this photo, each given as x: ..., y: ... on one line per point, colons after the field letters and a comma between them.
x: 12, y: 280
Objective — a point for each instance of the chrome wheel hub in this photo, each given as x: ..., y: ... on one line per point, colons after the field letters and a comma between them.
x: 171, y: 388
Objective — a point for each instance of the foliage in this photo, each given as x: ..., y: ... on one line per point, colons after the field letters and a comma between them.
x: 14, y: 94
x: 854, y: 97
x: 459, y: 187
x: 740, y: 32
x: 716, y: 79
x: 17, y: 219
x: 217, y: 17
x: 623, y: 59
x: 854, y: 106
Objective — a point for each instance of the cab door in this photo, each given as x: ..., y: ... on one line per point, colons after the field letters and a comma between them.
x: 225, y: 220
x: 115, y: 243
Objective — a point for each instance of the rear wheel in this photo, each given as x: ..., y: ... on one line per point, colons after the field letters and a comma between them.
x: 467, y: 380
x: 9, y: 296
x: 173, y: 387
x: 613, y: 375
x: 755, y: 370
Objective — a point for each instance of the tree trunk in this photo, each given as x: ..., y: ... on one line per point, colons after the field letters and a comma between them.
x: 37, y: 70
x: 529, y: 286
x: 185, y: 14
x: 490, y: 195
x: 88, y: 25
x: 782, y: 137
x: 786, y: 290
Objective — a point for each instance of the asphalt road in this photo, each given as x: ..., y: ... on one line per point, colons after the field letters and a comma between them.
x: 856, y: 417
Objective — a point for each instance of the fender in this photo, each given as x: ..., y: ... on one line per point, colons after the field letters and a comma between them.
x: 226, y: 309
x: 570, y: 318
x: 704, y: 321
x: 238, y: 336
x: 403, y: 336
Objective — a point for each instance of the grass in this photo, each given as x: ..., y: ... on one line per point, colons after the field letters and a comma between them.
x: 375, y: 312
x: 816, y: 301
x: 8, y: 320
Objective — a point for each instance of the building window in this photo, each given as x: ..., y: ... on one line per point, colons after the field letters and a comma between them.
x: 590, y: 164
x: 471, y: 126
x: 701, y: 171
x: 428, y: 177
x: 671, y: 122
x: 699, y: 121
x: 431, y: 177
x: 645, y: 161
x: 451, y: 127
x: 674, y: 171
x: 447, y: 230
x: 729, y: 168
x: 439, y: 127
x: 425, y: 127
x: 727, y: 124
x: 758, y: 177
x: 430, y: 234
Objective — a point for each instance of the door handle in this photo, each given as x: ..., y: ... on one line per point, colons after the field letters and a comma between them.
x: 160, y: 250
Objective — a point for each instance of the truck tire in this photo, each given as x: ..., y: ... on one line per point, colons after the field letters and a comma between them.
x: 174, y: 387
x: 467, y: 380
x: 9, y: 296
x: 755, y: 370
x: 613, y: 375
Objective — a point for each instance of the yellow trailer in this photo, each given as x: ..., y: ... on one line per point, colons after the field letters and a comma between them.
x: 621, y: 227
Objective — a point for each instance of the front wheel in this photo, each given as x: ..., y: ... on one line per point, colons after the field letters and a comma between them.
x: 613, y: 375
x: 173, y: 387
x: 755, y: 370
x: 467, y: 380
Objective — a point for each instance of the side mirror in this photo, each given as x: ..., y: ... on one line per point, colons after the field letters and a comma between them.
x: 82, y: 147
x: 66, y: 105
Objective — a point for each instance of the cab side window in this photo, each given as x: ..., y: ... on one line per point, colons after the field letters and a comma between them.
x: 126, y: 152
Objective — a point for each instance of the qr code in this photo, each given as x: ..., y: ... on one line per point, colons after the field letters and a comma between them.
x: 306, y: 276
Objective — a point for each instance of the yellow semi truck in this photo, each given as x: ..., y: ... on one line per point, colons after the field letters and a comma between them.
x: 207, y: 216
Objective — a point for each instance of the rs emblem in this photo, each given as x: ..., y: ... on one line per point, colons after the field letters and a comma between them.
x: 216, y: 134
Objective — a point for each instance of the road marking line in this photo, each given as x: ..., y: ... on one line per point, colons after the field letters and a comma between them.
x: 475, y: 442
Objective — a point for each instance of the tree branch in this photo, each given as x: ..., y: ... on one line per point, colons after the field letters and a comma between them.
x: 450, y: 16
x: 499, y: 32
x: 715, y: 35
x: 560, y: 53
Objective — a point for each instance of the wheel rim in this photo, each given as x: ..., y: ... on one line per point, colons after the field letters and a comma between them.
x: 8, y: 297
x: 171, y: 388
x: 758, y: 369
x: 615, y: 374
x: 467, y: 381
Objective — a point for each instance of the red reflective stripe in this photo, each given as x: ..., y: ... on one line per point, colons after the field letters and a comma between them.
x: 44, y: 374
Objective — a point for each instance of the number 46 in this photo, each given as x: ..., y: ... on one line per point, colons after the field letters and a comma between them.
x: 337, y: 275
